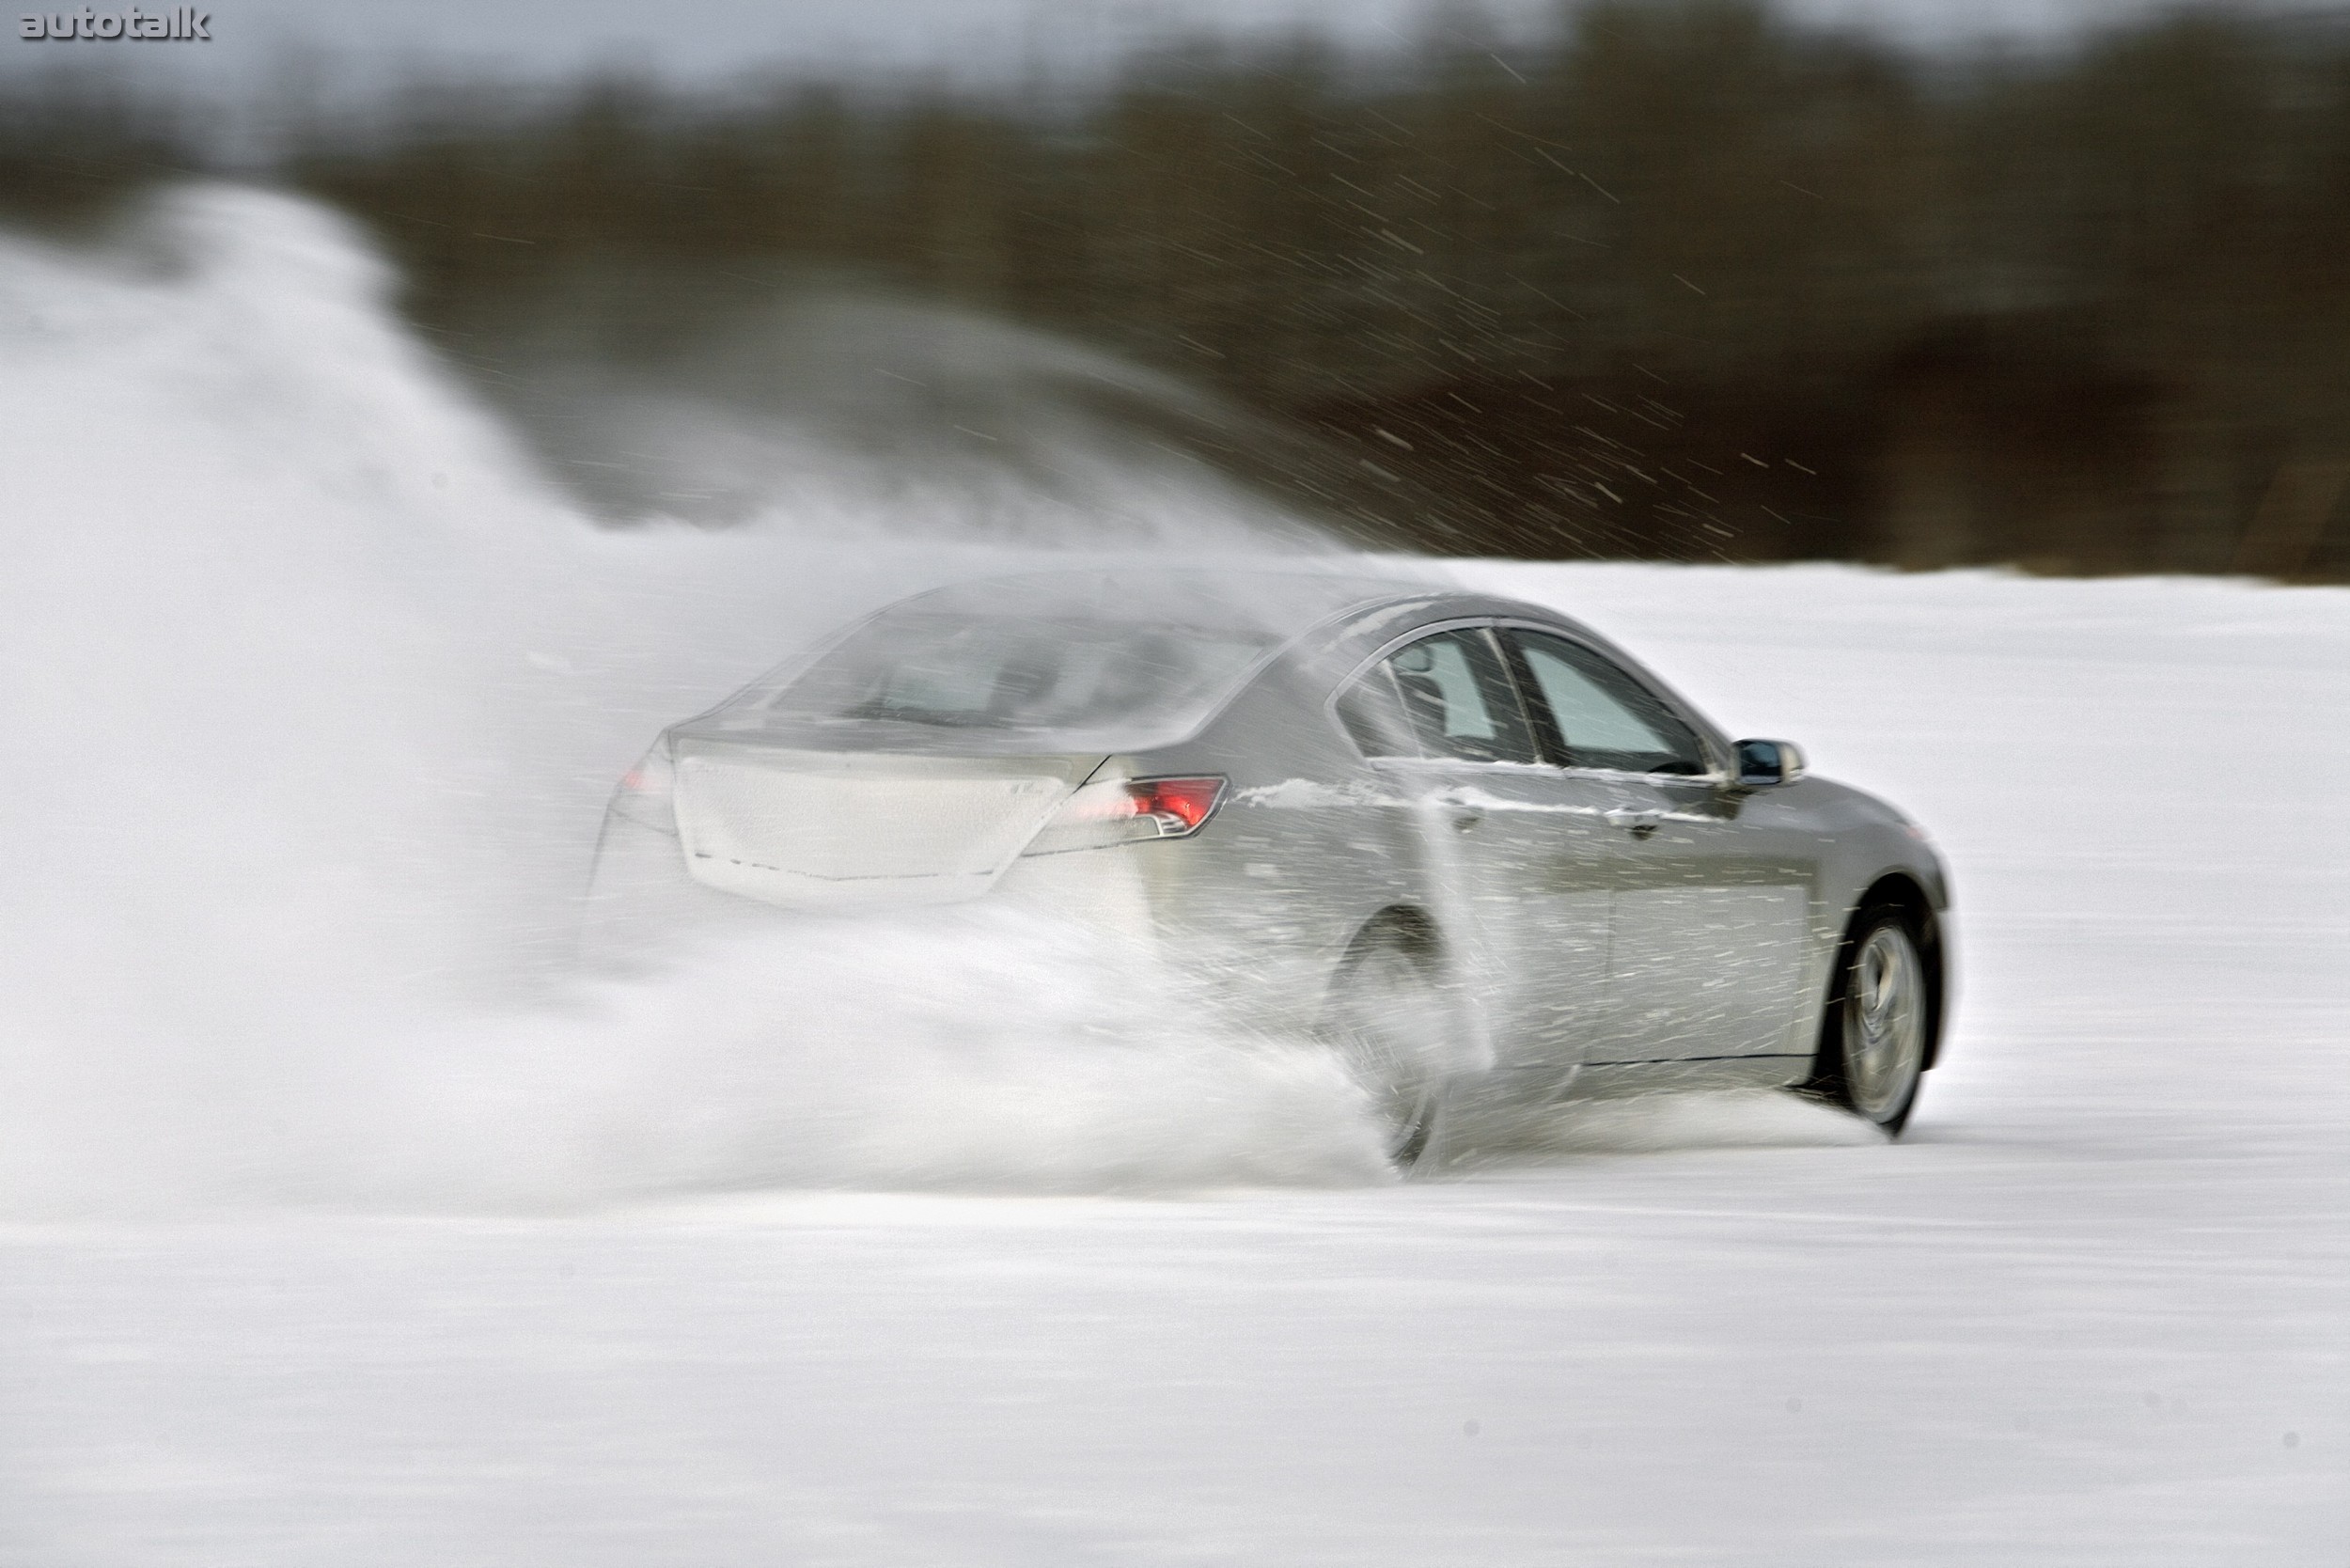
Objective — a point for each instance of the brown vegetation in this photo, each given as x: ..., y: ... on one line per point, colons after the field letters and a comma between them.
x: 1684, y: 281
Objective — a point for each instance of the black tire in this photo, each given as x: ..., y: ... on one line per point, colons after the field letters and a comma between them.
x: 1876, y: 1032
x: 1387, y: 1016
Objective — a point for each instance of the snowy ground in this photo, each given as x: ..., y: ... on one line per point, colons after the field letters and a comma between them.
x: 2089, y: 1311
x: 329, y: 1226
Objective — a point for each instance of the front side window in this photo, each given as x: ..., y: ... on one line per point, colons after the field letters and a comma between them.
x: 1600, y: 716
x: 1446, y: 695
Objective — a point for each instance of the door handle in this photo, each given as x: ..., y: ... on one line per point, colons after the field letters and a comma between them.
x: 1462, y: 808
x: 1638, y: 823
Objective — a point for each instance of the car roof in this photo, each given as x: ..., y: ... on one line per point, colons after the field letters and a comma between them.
x: 1277, y: 601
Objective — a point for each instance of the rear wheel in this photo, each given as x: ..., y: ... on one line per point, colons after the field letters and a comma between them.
x: 1390, y: 1022
x: 1872, y: 1041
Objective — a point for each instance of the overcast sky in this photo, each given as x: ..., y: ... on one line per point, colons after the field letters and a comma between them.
x: 706, y: 39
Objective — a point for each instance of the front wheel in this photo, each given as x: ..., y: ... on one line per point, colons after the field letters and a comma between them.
x: 1872, y: 1041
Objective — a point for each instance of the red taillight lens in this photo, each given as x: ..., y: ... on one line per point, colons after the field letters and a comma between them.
x: 1181, y: 804
x: 1129, y: 811
x: 644, y: 793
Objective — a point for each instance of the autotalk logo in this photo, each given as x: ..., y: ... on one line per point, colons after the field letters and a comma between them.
x: 184, y: 22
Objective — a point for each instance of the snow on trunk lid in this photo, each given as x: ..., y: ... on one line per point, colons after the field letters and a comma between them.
x: 831, y: 829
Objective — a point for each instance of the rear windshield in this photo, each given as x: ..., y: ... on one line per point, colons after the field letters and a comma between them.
x: 1097, y: 681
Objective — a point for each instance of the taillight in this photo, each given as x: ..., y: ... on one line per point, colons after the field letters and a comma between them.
x: 1129, y: 811
x: 1178, y: 805
x: 643, y: 797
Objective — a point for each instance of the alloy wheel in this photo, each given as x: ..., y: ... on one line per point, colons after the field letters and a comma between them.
x: 1884, y: 1023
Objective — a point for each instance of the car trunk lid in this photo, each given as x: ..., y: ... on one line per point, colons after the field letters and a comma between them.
x: 830, y: 829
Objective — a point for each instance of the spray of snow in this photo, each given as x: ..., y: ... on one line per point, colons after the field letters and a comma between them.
x: 317, y: 691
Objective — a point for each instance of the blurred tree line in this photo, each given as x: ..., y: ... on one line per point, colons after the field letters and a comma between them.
x: 1680, y: 280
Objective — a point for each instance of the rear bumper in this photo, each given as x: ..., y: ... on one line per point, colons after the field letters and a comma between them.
x: 1254, y: 971
x: 643, y: 903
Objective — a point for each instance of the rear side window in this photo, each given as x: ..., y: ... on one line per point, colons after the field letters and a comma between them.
x: 1373, y: 713
x: 1600, y: 715
x: 1446, y: 695
x: 1030, y: 676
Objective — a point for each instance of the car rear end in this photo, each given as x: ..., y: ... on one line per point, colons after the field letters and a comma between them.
x: 971, y: 743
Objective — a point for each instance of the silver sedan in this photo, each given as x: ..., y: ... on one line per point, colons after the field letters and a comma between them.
x: 1463, y: 840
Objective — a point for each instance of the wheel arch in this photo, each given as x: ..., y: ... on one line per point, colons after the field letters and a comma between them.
x: 1905, y: 893
x: 1415, y: 930
x: 1408, y: 925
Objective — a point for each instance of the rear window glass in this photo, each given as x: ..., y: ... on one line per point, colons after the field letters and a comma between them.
x: 1114, y: 682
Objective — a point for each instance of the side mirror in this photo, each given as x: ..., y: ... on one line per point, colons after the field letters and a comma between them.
x: 1763, y: 763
